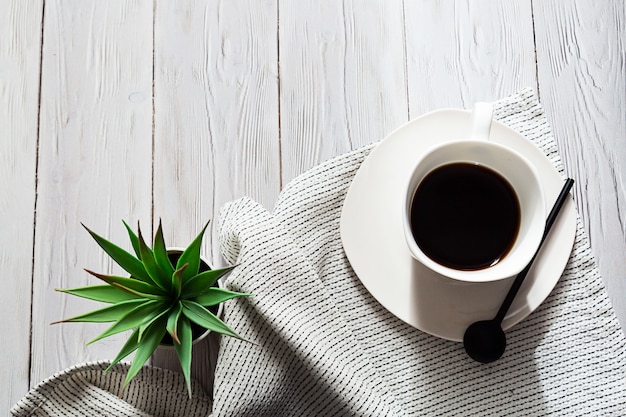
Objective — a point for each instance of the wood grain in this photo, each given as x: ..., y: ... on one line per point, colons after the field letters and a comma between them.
x: 462, y: 52
x: 95, y: 158
x: 169, y: 109
x: 216, y: 122
x: 581, y: 56
x: 20, y: 28
x: 342, y: 78
x: 216, y: 106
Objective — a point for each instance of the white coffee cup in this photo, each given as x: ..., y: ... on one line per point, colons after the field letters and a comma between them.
x: 517, y: 170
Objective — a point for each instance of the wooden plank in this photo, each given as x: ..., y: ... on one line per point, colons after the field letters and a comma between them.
x: 216, y: 121
x: 581, y: 52
x: 95, y: 158
x: 342, y: 77
x: 462, y: 52
x: 20, y: 34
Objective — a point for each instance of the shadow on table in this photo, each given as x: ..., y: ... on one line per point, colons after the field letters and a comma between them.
x: 297, y: 372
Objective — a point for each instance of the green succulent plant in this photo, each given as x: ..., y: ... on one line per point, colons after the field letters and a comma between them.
x: 158, y: 298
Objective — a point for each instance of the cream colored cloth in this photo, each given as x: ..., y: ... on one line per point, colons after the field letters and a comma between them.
x: 323, y: 346
x: 85, y: 390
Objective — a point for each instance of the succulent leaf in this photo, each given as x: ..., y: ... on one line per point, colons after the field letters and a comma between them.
x: 129, y: 283
x: 134, y: 240
x: 102, y: 293
x: 124, y: 259
x: 177, y: 280
x: 105, y: 315
x: 140, y: 294
x: 142, y: 313
x: 129, y: 347
x: 203, y: 317
x: 203, y: 281
x: 172, y: 322
x: 191, y: 256
x: 157, y: 275
x: 160, y: 252
x: 150, y: 341
x: 183, y: 350
x: 146, y: 323
x: 215, y: 296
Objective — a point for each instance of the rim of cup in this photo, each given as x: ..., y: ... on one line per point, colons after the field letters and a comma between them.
x: 531, y: 224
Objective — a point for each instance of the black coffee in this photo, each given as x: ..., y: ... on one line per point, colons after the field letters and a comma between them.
x: 465, y: 216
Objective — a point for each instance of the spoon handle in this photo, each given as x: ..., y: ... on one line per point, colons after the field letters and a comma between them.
x: 506, y: 304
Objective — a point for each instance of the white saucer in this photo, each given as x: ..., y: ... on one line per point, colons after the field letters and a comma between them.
x: 373, y: 238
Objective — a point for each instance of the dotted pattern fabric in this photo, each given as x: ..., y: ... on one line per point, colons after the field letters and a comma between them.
x: 322, y: 345
x: 85, y: 390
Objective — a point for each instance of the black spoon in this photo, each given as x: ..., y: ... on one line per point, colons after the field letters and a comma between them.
x: 484, y: 340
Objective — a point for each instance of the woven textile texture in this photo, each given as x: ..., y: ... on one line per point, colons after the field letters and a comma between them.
x: 84, y: 390
x: 323, y: 346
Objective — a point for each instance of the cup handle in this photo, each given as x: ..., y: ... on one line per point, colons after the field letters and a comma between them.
x: 482, y: 116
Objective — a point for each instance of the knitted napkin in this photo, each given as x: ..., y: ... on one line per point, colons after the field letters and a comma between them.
x: 321, y: 345
x: 84, y: 390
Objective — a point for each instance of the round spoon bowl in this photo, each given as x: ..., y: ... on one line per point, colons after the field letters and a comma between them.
x: 484, y: 341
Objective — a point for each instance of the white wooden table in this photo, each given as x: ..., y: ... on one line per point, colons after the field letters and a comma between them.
x: 141, y: 110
